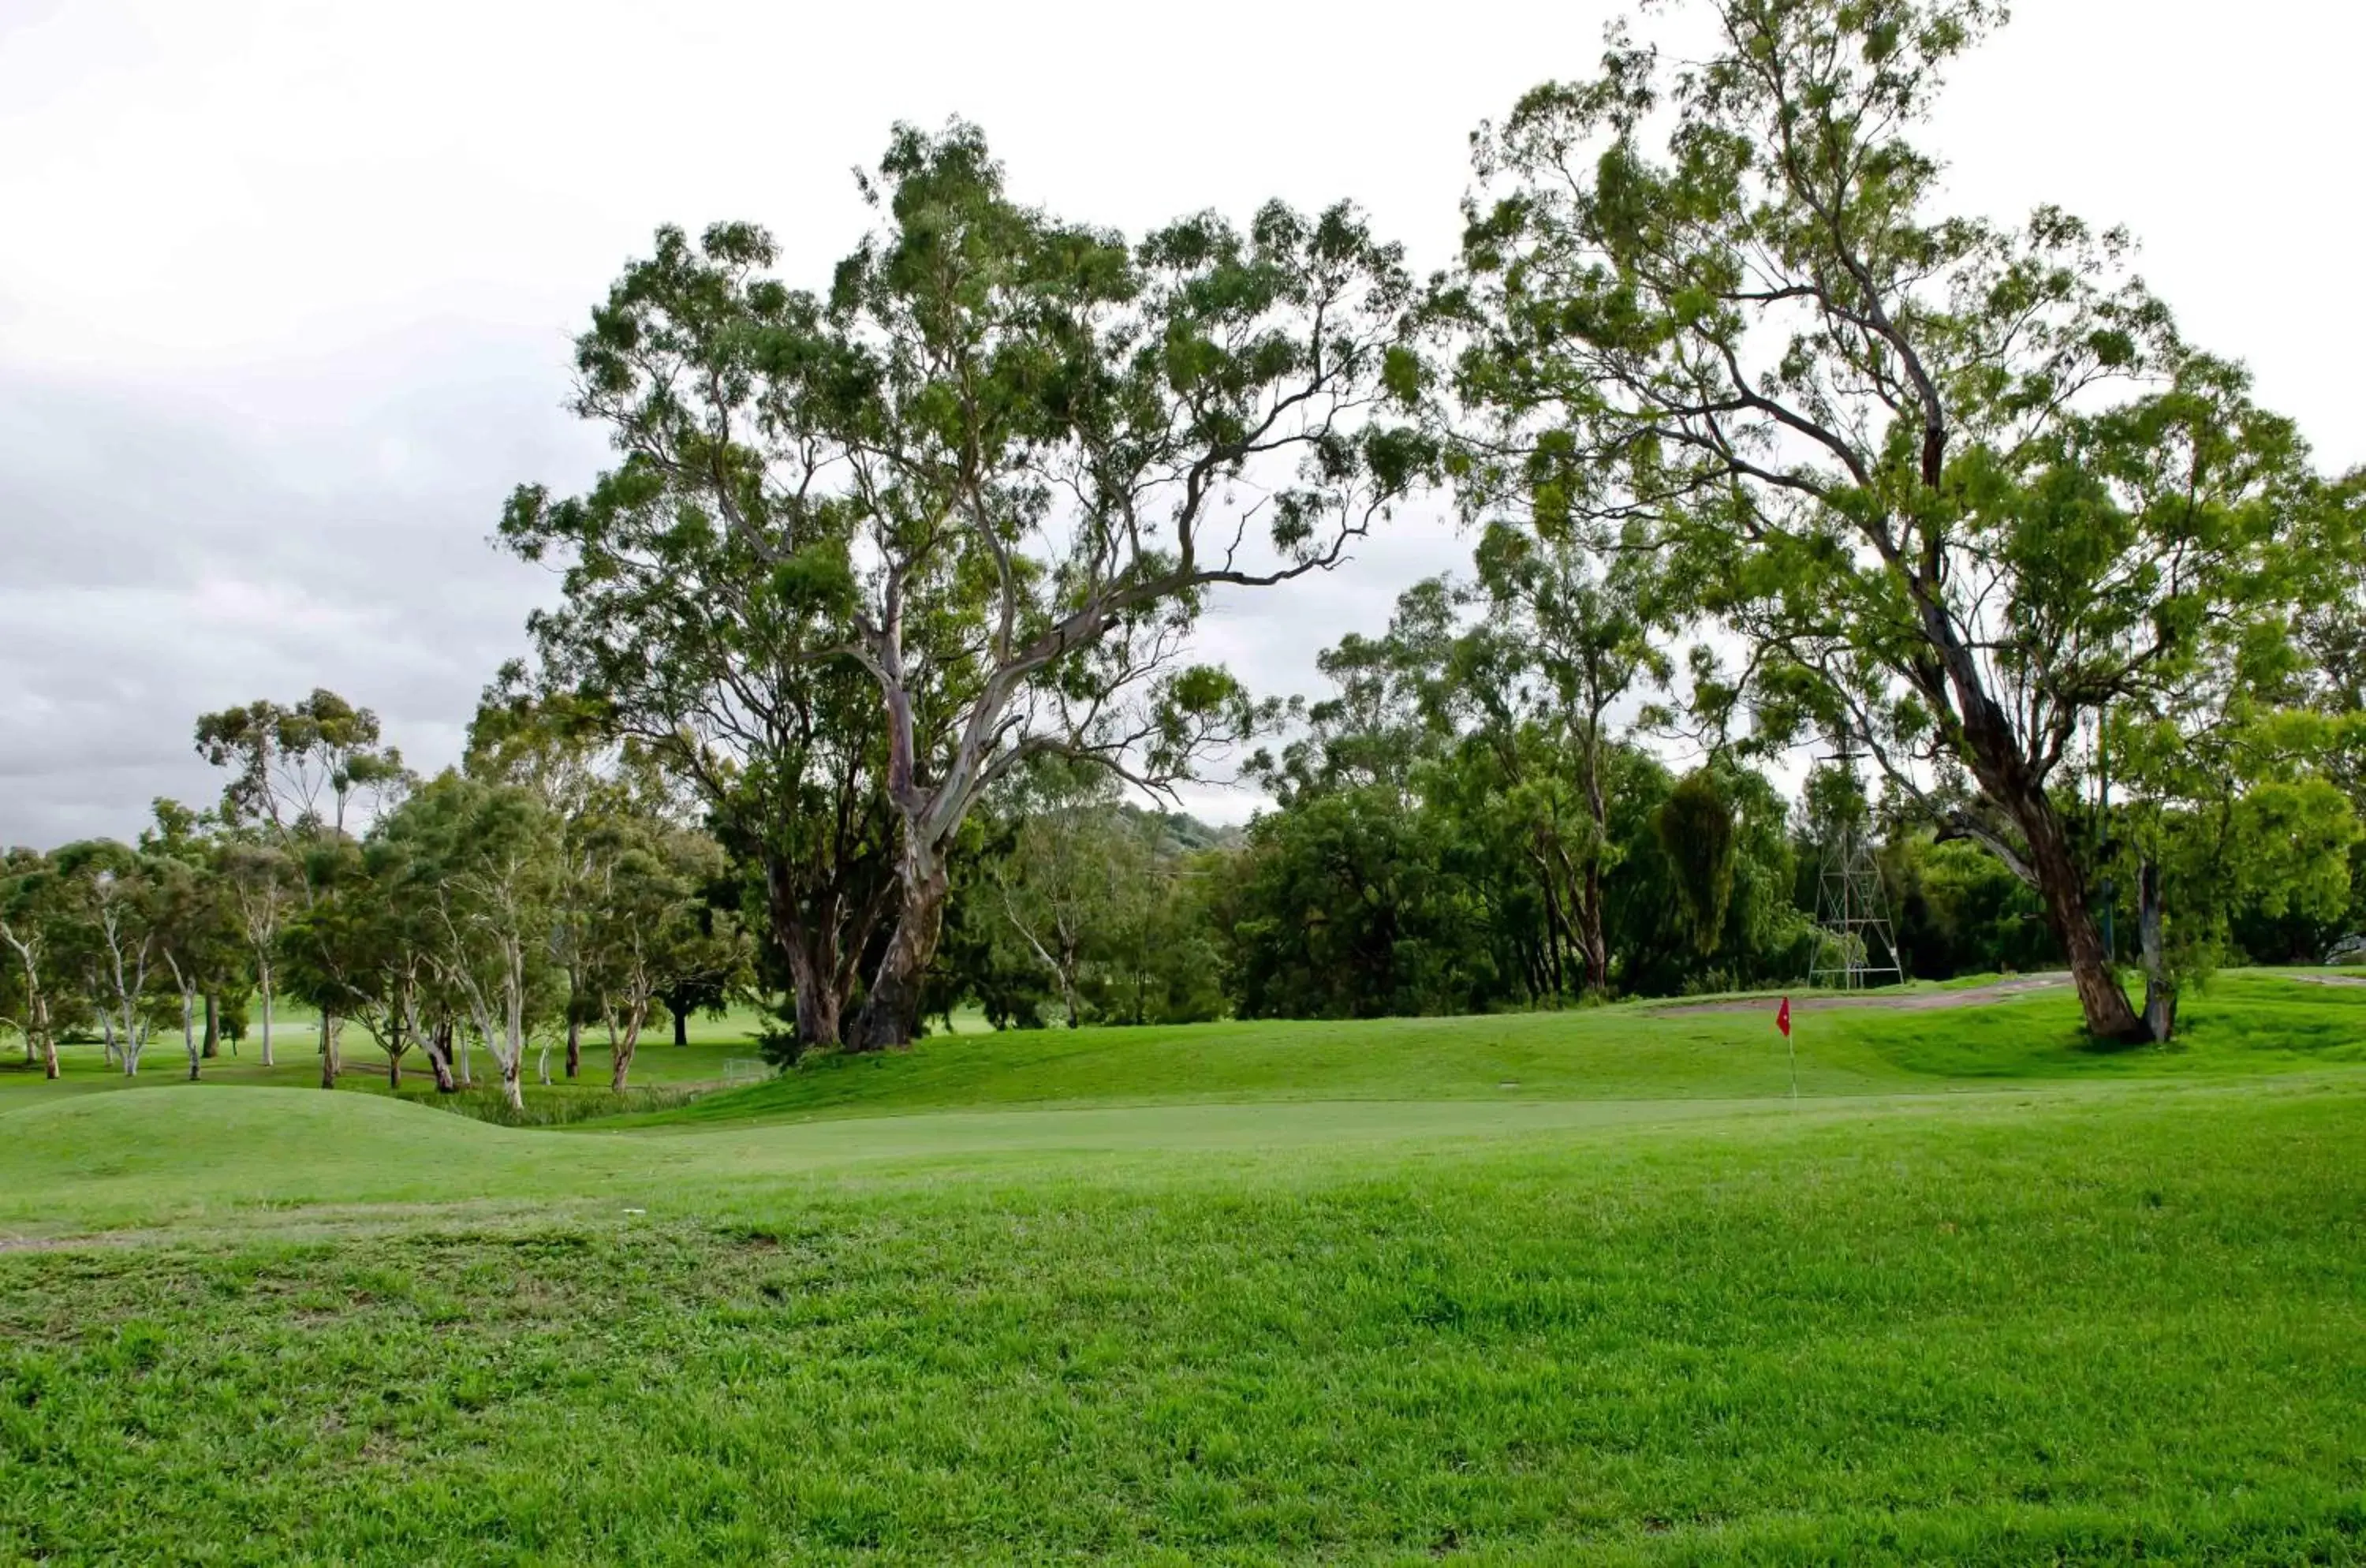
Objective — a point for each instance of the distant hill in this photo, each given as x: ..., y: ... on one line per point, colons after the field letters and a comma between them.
x: 1182, y: 833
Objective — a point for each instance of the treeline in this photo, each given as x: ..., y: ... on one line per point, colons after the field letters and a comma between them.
x: 1435, y: 846
x: 1760, y: 447
x: 548, y: 888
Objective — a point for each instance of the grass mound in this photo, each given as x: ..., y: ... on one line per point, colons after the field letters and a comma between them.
x: 2242, y: 1025
x: 1559, y: 1288
x: 2119, y: 1324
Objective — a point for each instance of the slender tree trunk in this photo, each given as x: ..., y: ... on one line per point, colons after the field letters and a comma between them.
x: 262, y: 976
x: 574, y: 1043
x: 1067, y: 967
x: 891, y: 1010
x: 107, y: 1033
x: 132, y: 1036
x: 2160, y: 990
x: 213, y: 1026
x: 1544, y: 964
x: 1594, y: 945
x: 623, y: 1062
x: 394, y: 1070
x: 439, y: 1057
x: 1591, y: 941
x: 513, y: 1071
x: 680, y: 1028
x: 328, y: 1049
x: 48, y: 1050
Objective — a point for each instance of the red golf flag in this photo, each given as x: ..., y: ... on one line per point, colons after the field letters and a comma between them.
x: 1783, y: 1018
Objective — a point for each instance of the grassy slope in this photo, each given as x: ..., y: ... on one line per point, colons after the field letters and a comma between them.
x: 2244, y: 1025
x: 1631, y: 1311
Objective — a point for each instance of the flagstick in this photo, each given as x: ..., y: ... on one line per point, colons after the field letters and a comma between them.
x: 1783, y: 1022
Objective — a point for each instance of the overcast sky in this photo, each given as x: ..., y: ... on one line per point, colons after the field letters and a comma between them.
x: 286, y: 290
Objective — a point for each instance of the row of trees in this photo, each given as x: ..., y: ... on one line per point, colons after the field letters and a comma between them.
x: 1758, y: 442
x: 1481, y: 816
x: 1715, y: 368
x: 501, y: 906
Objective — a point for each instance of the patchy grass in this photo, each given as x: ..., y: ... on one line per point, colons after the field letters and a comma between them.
x: 1979, y: 1296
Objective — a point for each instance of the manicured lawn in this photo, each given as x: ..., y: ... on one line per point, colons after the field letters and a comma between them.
x: 1239, y: 1294
x: 2244, y: 1025
x: 721, y: 1045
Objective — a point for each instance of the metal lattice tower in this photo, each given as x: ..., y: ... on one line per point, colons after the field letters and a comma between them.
x: 1854, y: 944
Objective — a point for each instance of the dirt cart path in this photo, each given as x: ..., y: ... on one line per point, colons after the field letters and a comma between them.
x: 1903, y: 1001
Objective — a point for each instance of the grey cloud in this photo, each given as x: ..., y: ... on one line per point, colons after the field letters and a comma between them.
x: 173, y: 548
x: 170, y: 548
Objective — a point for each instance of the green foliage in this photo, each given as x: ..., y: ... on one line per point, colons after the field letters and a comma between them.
x: 1460, y: 828
x: 1342, y: 908
x: 1959, y: 488
x: 1075, y: 905
x: 1958, y: 911
x: 1696, y: 829
x: 990, y: 476
x: 296, y: 768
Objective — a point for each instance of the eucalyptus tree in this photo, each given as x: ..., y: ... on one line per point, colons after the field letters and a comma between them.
x: 261, y: 885
x: 1563, y: 643
x: 111, y: 894
x: 299, y: 768
x: 33, y: 912
x: 652, y: 928
x: 554, y: 745
x: 15, y: 1006
x: 2231, y: 800
x: 487, y: 868
x: 1073, y: 875
x: 2331, y: 625
x: 1959, y: 486
x: 1001, y: 465
x: 196, y: 940
x: 297, y: 774
x: 704, y: 611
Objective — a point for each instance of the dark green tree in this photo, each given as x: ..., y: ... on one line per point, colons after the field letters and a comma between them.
x: 1959, y: 487
x: 1005, y: 460
x: 35, y: 910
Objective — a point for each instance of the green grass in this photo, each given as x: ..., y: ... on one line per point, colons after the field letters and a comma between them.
x: 658, y: 1062
x: 1235, y: 1294
x: 716, y: 1042
x: 2242, y: 1025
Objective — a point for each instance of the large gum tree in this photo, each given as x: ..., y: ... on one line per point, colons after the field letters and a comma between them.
x: 1958, y: 487
x: 1008, y: 456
